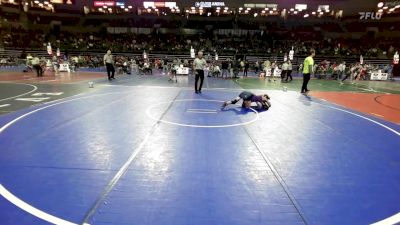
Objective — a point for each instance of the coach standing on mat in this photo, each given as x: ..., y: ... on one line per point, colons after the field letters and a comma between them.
x: 109, y: 63
x: 307, y: 70
x: 199, y: 64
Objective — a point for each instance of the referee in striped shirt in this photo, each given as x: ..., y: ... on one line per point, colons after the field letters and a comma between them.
x: 109, y: 63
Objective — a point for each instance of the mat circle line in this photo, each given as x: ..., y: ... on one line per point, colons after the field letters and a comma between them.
x: 33, y: 90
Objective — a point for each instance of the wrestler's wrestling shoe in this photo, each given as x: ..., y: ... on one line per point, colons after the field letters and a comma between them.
x: 224, y: 105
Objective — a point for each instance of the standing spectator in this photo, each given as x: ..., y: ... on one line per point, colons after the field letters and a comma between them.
x: 163, y: 64
x: 125, y: 67
x: 225, y: 68
x: 134, y: 67
x: 242, y: 64
x: 210, y: 70
x: 216, y: 70
x: 284, y: 70
x: 267, y: 65
x: 28, y: 63
x: 342, y: 69
x: 300, y: 68
x: 257, y: 66
x: 289, y: 71
x: 246, y: 68
x: 236, y: 67
x: 36, y: 65
x: 274, y: 66
x: 147, y: 67
x: 231, y: 67
x: 267, y: 68
x: 390, y: 72
x: 75, y: 63
x: 109, y: 63
x: 199, y: 65
x: 307, y: 70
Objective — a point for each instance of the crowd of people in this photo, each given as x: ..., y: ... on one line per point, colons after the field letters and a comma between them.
x: 260, y: 43
x: 231, y: 67
x: 227, y: 67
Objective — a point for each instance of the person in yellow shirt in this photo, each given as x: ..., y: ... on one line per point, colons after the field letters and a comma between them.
x: 308, y: 68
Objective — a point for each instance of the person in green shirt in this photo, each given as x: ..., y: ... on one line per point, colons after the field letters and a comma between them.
x: 307, y: 70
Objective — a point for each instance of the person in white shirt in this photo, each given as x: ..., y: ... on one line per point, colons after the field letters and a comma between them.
x: 274, y: 66
x: 109, y: 63
x: 199, y: 65
x: 75, y: 63
x: 342, y: 69
x: 147, y: 67
x: 125, y: 66
x: 257, y: 66
x: 29, y: 60
x: 284, y: 70
x: 266, y: 67
x: 36, y: 65
x: 28, y: 63
x: 217, y: 71
x: 289, y: 71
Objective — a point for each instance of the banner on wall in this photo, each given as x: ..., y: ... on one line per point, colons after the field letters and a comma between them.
x: 277, y: 72
x: 378, y: 75
x: 159, y: 4
x: 103, y: 3
x: 182, y: 71
x: 122, y: 30
x: 68, y: 2
x: 209, y: 4
x: 64, y: 67
x: 236, y: 32
x: 137, y: 30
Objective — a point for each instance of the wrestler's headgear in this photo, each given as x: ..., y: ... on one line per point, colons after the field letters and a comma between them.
x: 266, y: 104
